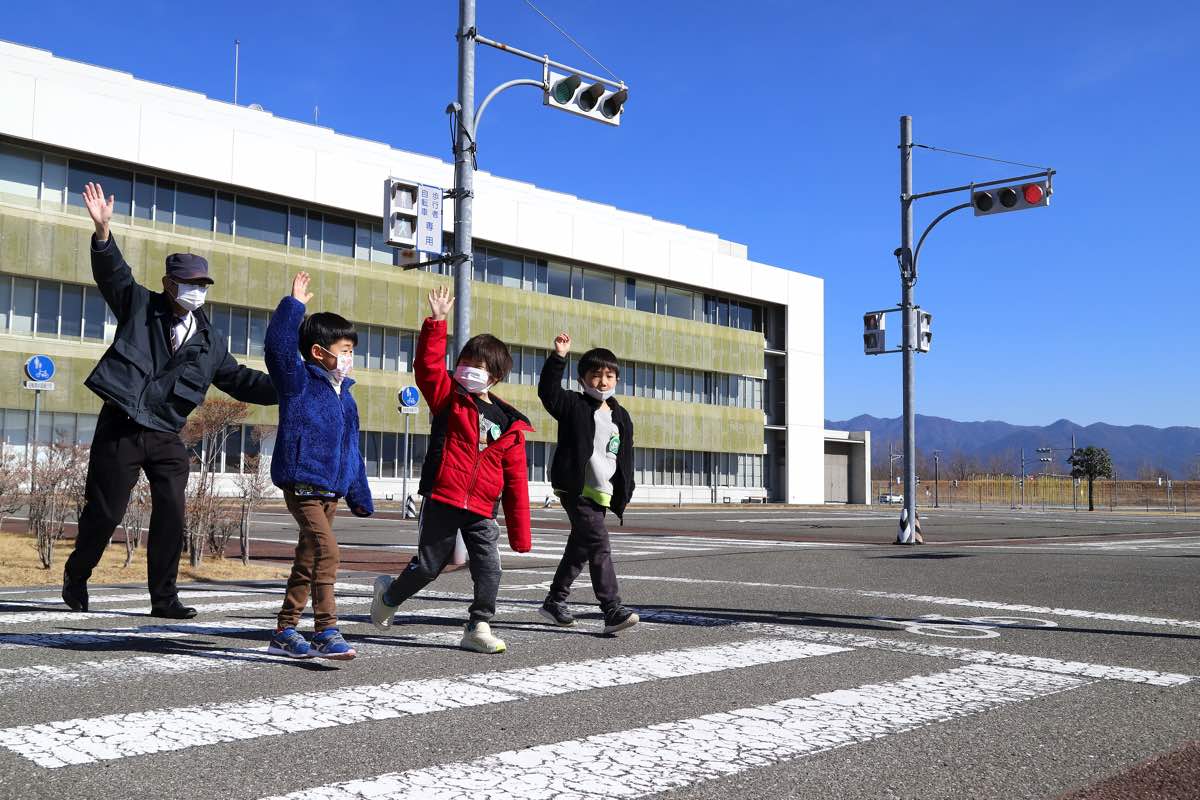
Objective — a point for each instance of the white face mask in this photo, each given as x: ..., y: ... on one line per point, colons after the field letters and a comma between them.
x: 597, y: 394
x: 345, y: 363
x: 474, y: 379
x: 190, y: 296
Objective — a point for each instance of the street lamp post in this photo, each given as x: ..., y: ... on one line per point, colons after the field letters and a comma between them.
x: 936, y: 457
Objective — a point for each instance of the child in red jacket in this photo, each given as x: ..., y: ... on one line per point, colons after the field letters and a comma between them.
x: 474, y: 461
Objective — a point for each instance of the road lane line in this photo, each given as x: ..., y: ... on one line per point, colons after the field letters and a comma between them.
x: 1137, y: 619
x: 85, y: 741
x: 679, y: 754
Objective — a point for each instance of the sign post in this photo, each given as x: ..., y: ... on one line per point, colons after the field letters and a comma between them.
x: 408, y: 397
x: 39, y: 370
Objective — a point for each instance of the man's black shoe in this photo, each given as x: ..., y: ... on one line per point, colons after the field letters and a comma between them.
x: 173, y: 610
x: 75, y: 593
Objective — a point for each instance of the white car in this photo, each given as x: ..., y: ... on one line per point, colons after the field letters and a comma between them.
x: 891, y: 498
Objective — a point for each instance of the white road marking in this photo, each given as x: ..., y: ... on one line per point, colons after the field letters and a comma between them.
x: 674, y: 755
x: 84, y: 741
x: 1136, y: 619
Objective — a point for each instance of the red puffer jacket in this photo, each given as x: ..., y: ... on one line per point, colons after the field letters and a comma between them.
x: 456, y: 472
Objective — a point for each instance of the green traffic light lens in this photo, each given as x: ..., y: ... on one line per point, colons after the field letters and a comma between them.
x: 564, y: 90
x: 984, y: 201
x: 1008, y: 197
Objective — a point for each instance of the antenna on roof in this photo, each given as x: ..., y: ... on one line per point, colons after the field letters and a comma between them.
x: 316, y: 115
x: 237, y: 46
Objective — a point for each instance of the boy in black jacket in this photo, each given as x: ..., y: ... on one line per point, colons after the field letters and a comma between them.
x: 592, y: 473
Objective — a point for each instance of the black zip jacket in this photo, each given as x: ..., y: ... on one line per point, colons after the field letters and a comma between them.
x: 576, y: 415
x: 140, y: 375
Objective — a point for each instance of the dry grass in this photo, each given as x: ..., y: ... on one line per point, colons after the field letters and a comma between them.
x: 19, y: 566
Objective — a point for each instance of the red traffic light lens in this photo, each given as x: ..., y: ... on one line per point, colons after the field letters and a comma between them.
x: 1034, y: 193
x: 984, y: 201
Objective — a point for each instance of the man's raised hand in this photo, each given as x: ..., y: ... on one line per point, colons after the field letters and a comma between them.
x: 98, y: 209
x: 562, y: 343
x: 300, y: 287
x: 440, y: 302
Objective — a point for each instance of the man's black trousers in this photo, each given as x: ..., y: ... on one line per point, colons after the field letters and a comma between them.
x: 120, y: 448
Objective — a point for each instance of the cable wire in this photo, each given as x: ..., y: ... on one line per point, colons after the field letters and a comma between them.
x: 571, y: 39
x: 984, y: 158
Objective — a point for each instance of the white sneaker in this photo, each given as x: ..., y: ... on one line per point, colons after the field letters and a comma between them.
x: 477, y: 636
x: 381, y: 612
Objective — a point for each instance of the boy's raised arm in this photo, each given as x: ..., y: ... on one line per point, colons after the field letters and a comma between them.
x: 282, y: 348
x: 550, y: 390
x: 430, y: 361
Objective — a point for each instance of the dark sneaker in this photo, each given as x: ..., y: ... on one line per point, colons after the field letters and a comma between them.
x: 619, y: 619
x: 288, y: 642
x: 330, y: 644
x: 172, y: 610
x: 557, y: 613
x: 74, y: 593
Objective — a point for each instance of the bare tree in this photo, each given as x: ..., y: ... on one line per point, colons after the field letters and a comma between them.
x: 254, y: 483
x: 13, y: 471
x: 210, y: 518
x: 137, y: 514
x: 51, y: 496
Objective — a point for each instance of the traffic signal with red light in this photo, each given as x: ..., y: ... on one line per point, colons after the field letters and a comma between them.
x: 1010, y: 198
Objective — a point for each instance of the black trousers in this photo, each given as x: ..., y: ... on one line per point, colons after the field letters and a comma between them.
x: 587, y: 544
x: 120, y: 448
x: 436, y: 531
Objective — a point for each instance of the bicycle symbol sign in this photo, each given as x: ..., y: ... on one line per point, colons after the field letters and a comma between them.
x: 39, y: 368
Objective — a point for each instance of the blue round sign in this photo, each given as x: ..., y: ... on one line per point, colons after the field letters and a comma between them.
x: 409, y: 396
x: 39, y: 368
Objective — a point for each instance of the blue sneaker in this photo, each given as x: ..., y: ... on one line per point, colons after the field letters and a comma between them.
x: 288, y: 642
x: 330, y: 644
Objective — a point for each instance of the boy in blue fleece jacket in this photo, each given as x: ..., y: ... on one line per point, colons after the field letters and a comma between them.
x: 316, y: 461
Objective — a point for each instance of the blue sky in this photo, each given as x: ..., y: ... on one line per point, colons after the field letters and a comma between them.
x: 775, y: 124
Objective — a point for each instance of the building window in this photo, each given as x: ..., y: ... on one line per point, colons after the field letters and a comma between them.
x: 598, y: 287
x: 559, y: 279
x: 194, y: 207
x: 116, y: 182
x: 338, y: 236
x: 258, y: 219
x: 20, y: 174
x: 143, y: 197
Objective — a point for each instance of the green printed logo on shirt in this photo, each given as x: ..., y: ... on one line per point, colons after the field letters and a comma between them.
x: 488, y: 431
x: 614, y: 444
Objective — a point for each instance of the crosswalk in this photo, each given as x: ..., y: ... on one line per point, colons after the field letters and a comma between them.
x: 106, y: 703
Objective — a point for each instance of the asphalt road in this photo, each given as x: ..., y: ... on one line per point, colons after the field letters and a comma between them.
x: 784, y: 653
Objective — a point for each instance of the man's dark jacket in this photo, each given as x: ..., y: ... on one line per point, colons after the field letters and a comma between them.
x: 576, y: 415
x: 140, y: 375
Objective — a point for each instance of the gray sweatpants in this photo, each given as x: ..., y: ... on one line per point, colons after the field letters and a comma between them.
x: 437, y: 527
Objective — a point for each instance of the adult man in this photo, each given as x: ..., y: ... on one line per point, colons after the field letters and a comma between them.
x: 160, y: 364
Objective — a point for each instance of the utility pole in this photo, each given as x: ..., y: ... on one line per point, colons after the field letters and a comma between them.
x: 237, y: 52
x: 464, y: 173
x: 936, y: 457
x: 907, y: 279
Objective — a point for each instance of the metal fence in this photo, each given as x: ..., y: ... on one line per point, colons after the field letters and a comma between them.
x: 1050, y: 491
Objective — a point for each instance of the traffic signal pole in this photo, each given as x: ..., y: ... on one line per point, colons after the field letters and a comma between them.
x: 907, y: 279
x: 464, y: 173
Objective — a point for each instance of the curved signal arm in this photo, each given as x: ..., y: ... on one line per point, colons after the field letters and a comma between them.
x: 507, y: 85
x: 928, y: 228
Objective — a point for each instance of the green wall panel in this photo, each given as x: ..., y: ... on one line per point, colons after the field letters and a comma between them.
x: 55, y: 246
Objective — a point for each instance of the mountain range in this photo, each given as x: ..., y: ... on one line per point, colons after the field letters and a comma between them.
x: 1136, y: 450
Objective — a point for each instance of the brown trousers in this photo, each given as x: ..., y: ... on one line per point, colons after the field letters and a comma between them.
x: 316, y: 563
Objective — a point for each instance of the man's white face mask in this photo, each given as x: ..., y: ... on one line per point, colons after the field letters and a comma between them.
x: 190, y: 296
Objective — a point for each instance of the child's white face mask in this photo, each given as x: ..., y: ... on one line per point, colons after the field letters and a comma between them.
x: 474, y: 379
x: 345, y: 363
x: 602, y: 396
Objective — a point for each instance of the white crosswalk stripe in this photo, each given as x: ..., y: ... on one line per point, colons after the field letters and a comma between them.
x: 673, y: 755
x: 931, y: 683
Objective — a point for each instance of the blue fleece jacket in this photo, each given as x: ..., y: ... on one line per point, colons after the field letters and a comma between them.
x: 317, y: 440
